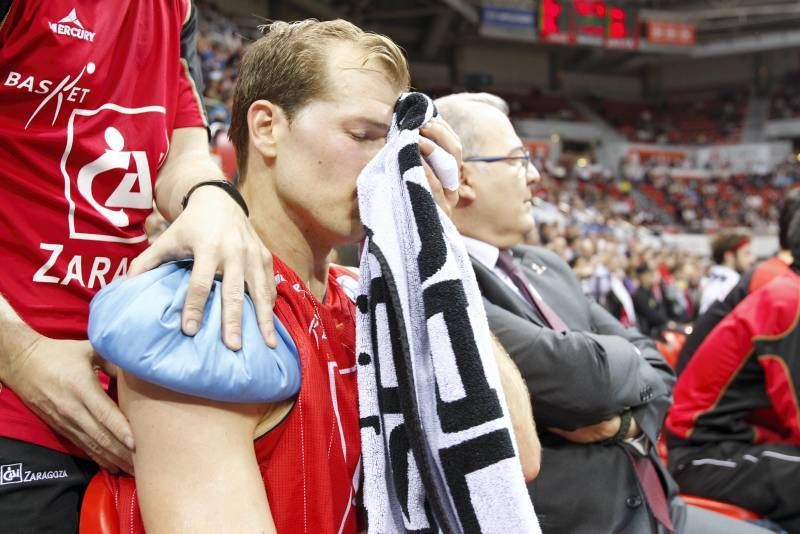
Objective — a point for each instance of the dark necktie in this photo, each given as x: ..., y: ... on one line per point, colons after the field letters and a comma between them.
x: 506, y: 263
x: 652, y: 489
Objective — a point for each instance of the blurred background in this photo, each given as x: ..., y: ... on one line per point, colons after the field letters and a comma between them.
x: 654, y: 123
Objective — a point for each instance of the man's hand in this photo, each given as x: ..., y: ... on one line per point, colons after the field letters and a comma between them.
x: 57, y: 380
x: 598, y: 432
x: 438, y: 131
x: 215, y: 231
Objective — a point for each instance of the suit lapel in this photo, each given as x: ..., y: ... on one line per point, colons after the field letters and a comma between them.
x: 497, y: 292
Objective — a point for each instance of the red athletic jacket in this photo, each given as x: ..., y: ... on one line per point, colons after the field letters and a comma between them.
x: 742, y: 383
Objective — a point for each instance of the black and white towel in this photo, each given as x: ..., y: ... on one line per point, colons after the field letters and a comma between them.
x: 437, y: 443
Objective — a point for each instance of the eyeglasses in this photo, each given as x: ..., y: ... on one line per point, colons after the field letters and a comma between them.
x: 524, y: 160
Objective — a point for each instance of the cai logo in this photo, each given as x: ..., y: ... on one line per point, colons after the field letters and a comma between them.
x: 108, y: 182
x: 10, y: 474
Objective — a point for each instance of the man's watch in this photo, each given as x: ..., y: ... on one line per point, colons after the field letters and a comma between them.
x: 624, y: 426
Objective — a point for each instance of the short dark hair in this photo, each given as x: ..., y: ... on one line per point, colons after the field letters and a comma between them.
x: 729, y: 240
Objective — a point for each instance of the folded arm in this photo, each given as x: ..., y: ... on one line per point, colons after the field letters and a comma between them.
x: 657, y: 378
x: 577, y: 378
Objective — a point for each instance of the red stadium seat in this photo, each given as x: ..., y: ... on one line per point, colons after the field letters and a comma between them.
x: 98, y: 509
x: 671, y: 347
x: 730, y: 510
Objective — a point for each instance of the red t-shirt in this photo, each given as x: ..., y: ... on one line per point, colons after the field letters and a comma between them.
x: 90, y: 93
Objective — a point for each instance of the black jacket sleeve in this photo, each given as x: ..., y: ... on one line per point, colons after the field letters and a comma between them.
x: 657, y: 381
x: 707, y: 321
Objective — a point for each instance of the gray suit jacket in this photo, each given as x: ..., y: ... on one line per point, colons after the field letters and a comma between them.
x: 584, y: 376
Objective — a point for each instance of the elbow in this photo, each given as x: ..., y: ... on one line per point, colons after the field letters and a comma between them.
x: 530, y: 455
x: 530, y: 469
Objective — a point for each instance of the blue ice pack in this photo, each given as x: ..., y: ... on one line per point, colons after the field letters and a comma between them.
x: 135, y: 323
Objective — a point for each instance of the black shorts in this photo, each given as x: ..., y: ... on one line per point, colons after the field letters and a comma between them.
x: 40, y: 489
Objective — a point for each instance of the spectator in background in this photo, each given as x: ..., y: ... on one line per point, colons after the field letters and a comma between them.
x: 600, y: 389
x: 734, y: 429
x: 651, y: 307
x: 753, y: 280
x: 732, y: 254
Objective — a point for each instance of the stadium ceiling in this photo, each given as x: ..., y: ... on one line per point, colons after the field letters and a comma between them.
x: 432, y: 30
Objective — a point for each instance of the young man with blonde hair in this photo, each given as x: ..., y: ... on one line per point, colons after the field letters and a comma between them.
x: 312, y: 107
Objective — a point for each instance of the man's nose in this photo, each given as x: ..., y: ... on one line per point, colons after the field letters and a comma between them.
x: 532, y: 175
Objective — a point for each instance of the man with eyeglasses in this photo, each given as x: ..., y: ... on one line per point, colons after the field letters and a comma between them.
x: 601, y: 391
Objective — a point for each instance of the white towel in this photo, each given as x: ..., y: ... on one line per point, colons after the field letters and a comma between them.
x: 437, y: 443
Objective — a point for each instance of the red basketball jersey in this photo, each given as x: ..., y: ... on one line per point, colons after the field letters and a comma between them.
x: 310, y: 461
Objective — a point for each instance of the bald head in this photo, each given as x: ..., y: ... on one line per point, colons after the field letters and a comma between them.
x: 466, y: 112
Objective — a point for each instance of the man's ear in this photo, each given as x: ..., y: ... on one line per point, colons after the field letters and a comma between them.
x: 466, y: 190
x: 263, y: 118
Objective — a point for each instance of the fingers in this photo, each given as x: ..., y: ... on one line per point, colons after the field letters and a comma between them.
x: 261, y: 286
x: 199, y: 286
x: 111, y: 437
x: 153, y: 256
x: 446, y: 199
x: 438, y: 131
x: 73, y: 419
x: 232, y: 302
x: 443, y: 164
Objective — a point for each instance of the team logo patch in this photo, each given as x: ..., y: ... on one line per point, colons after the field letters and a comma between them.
x: 15, y: 474
x: 71, y: 26
x: 108, y: 184
x: 10, y: 474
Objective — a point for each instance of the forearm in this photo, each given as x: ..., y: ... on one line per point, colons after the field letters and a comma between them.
x: 519, y: 407
x: 188, y: 163
x: 16, y: 339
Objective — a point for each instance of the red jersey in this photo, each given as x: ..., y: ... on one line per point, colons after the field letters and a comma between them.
x: 310, y: 461
x: 90, y: 93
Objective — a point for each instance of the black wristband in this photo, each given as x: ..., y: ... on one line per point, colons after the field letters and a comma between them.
x: 226, y: 186
x: 624, y: 426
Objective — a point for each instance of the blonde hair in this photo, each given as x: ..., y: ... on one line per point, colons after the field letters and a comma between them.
x: 287, y: 66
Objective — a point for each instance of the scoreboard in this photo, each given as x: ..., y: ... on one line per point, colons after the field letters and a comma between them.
x: 587, y: 22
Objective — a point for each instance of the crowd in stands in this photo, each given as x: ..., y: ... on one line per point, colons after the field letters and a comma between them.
x: 616, y: 254
x: 606, y: 225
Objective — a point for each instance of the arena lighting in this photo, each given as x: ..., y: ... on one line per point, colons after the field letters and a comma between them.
x: 582, y: 162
